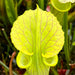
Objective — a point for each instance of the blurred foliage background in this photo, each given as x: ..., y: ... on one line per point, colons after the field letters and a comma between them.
x: 9, y: 11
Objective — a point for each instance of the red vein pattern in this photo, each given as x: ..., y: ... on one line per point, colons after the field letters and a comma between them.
x: 37, y: 31
x: 49, y: 30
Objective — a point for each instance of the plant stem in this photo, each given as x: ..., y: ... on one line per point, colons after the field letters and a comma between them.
x: 65, y: 28
x: 74, y: 35
x: 6, y: 67
x: 70, y: 46
x: 4, y: 61
x: 16, y: 9
x: 46, y: 3
x: 19, y: 3
x: 41, y: 4
x: 29, y: 4
x: 71, y: 17
x: 10, y: 65
x: 6, y: 37
x: 54, y: 71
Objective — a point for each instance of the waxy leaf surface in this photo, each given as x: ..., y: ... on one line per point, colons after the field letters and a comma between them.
x: 39, y: 37
x: 65, y: 1
x: 23, y: 61
x: 63, y: 7
x: 37, y: 30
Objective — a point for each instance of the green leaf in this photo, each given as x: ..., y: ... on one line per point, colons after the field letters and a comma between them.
x: 35, y: 29
x: 73, y: 43
x: 41, y: 4
x: 23, y: 61
x: 59, y: 15
x: 9, y: 4
x: 2, y: 8
x: 38, y: 35
x: 54, y: 71
x: 63, y: 7
x: 19, y: 3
